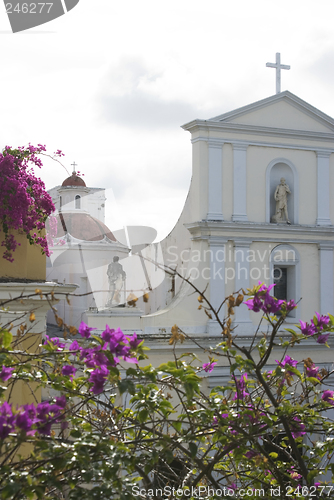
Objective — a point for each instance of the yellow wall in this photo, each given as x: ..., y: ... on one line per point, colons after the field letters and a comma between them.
x: 29, y: 263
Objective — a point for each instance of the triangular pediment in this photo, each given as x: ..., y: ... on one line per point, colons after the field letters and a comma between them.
x: 281, y: 111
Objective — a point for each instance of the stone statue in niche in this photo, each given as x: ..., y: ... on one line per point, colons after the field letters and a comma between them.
x: 116, y: 279
x: 281, y: 198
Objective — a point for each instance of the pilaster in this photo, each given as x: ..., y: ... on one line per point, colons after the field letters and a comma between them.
x: 217, y: 246
x: 215, y: 200
x: 326, y: 277
x: 241, y: 267
x: 240, y: 183
x: 323, y: 188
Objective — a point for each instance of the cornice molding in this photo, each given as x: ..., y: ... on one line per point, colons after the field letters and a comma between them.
x: 282, y: 145
x: 326, y: 245
x: 217, y: 241
x: 215, y: 143
x: 242, y: 242
x: 323, y: 153
x: 204, y: 230
x: 240, y: 146
x: 75, y: 188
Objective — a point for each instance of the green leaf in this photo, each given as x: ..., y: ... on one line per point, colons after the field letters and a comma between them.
x: 114, y: 371
x: 43, y: 445
x: 291, y: 331
x: 132, y: 371
x: 75, y: 433
x: 7, y: 338
x: 126, y: 385
x: 193, y: 449
x: 293, y: 370
x: 142, y: 415
x: 190, y: 388
x: 10, y: 490
x: 311, y: 475
x: 177, y: 426
x: 313, y: 380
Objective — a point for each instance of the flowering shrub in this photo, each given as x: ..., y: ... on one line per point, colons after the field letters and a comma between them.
x: 30, y: 419
x: 25, y: 204
x: 113, y: 427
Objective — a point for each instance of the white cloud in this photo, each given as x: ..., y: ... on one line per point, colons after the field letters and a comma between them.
x: 131, y: 96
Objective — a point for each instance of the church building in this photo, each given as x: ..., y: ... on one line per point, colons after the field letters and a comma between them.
x: 82, y: 248
x: 258, y: 210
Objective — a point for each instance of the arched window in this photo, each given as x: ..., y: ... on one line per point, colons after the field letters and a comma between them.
x: 78, y: 201
x: 278, y: 168
x: 285, y: 274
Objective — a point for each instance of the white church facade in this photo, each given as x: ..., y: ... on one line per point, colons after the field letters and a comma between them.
x: 227, y: 237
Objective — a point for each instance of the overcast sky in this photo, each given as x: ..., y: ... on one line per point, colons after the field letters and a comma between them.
x: 110, y: 83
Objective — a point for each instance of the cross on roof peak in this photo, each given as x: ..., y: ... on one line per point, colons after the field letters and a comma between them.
x: 278, y: 66
x: 74, y: 165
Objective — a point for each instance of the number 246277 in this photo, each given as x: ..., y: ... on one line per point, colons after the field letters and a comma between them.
x: 28, y: 8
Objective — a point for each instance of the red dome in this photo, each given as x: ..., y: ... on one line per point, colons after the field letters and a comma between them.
x: 74, y: 180
x: 83, y: 227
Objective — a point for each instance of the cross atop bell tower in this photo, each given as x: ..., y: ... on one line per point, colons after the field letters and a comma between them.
x: 74, y: 165
x: 278, y: 66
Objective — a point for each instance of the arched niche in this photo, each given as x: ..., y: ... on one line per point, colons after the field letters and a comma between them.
x: 278, y: 168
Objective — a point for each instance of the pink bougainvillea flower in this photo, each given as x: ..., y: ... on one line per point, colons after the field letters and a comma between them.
x: 107, y: 334
x: 98, y: 377
x: 269, y: 304
x: 254, y: 304
x: 30, y: 418
x: 54, y: 341
x: 291, y: 305
x: 297, y: 428
x: 263, y: 301
x: 294, y: 474
x: 61, y: 401
x: 312, y: 371
x: 85, y: 330
x: 328, y: 396
x: 241, y: 386
x: 68, y: 370
x: 208, y: 367
x: 134, y: 341
x: 287, y: 361
x: 307, y: 329
x: 320, y: 322
x: 322, y: 339
x: 74, y: 346
x: 251, y: 454
x: 6, y: 373
x: 25, y: 203
x: 6, y: 420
